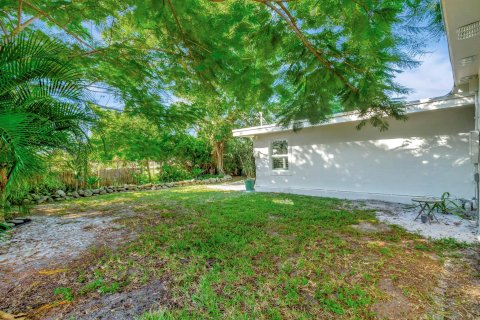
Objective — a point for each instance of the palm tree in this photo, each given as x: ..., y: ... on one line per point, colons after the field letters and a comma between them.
x: 42, y: 107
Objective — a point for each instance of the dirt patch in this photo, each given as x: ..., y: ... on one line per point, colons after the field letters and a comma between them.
x: 397, y: 305
x: 39, y: 256
x: 36, y: 289
x: 458, y: 291
x: 368, y: 227
x: 117, y: 306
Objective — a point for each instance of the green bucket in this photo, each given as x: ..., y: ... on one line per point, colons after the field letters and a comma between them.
x: 250, y: 185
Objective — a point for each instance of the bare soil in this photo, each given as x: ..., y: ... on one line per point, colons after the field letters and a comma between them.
x: 368, y: 227
x: 396, y: 306
x: 117, y: 306
x: 49, y: 251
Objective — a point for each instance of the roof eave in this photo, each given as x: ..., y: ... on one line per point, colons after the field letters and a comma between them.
x: 426, y: 105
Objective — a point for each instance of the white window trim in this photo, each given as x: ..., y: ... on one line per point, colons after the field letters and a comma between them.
x: 279, y: 172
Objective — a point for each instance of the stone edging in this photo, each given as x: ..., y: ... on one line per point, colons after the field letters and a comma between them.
x: 61, y: 195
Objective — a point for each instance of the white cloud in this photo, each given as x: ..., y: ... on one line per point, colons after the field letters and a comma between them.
x: 434, y: 76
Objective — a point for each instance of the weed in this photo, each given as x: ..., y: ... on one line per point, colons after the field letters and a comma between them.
x: 92, y: 286
x: 386, y: 251
x: 422, y: 247
x: 66, y: 293
x: 450, y: 244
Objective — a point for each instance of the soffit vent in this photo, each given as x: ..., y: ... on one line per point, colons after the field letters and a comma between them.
x: 469, y: 31
x: 468, y: 78
x: 467, y: 61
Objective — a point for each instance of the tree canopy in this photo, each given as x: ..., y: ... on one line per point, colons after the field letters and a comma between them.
x: 308, y: 59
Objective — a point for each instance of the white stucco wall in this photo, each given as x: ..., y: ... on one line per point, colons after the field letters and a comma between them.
x: 424, y: 156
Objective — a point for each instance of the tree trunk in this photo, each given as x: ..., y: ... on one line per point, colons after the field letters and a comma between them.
x: 148, y: 171
x: 3, y: 178
x: 218, y: 151
x: 3, y: 191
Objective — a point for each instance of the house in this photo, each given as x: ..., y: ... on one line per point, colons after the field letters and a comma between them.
x: 434, y: 151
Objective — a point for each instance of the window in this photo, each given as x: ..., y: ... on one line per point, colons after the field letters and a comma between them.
x: 280, y: 155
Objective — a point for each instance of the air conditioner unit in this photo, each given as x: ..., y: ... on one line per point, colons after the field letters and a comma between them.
x: 474, y: 146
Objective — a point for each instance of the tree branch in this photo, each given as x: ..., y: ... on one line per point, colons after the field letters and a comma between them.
x: 292, y: 19
x: 3, y: 27
x: 176, y: 17
x: 19, y: 21
x: 4, y: 30
x: 20, y: 28
x: 336, y: 55
x: 361, y: 4
x: 189, y: 52
x: 49, y: 18
x: 291, y: 22
x: 261, y: 1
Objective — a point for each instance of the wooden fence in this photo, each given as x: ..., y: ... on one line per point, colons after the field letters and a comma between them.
x: 111, y: 173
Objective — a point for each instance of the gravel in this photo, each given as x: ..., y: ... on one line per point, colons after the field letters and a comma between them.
x: 450, y: 226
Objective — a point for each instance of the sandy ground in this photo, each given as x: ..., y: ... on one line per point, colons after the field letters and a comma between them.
x: 228, y: 186
x: 450, y: 226
x: 49, y: 241
x: 50, y: 251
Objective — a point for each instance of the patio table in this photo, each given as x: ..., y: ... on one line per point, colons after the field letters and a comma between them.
x: 427, y: 205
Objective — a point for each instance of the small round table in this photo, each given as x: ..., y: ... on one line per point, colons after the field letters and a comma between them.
x: 427, y: 205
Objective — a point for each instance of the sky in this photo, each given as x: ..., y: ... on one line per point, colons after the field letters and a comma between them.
x: 433, y: 78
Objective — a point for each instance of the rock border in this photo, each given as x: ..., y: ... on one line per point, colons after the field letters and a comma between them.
x: 61, y: 195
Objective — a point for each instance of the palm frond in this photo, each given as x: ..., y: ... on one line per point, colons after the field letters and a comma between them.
x: 42, y: 107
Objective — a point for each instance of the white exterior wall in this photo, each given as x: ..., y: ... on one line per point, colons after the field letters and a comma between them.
x: 424, y: 156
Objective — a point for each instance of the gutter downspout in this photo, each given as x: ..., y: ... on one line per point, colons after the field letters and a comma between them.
x: 477, y: 173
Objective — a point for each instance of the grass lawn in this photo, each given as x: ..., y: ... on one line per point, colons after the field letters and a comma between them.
x: 241, y: 256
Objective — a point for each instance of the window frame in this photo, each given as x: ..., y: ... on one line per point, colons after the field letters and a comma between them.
x: 272, y: 156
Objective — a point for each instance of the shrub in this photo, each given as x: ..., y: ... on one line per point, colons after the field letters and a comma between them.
x: 92, y: 181
x: 49, y: 182
x: 173, y: 173
x: 143, y: 178
x: 196, y: 172
x: 239, y: 157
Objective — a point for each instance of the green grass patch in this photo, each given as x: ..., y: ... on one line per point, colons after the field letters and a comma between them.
x: 65, y: 293
x: 450, y: 244
x: 240, y: 256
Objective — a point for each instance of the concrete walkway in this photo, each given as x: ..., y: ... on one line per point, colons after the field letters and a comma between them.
x: 238, y: 185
